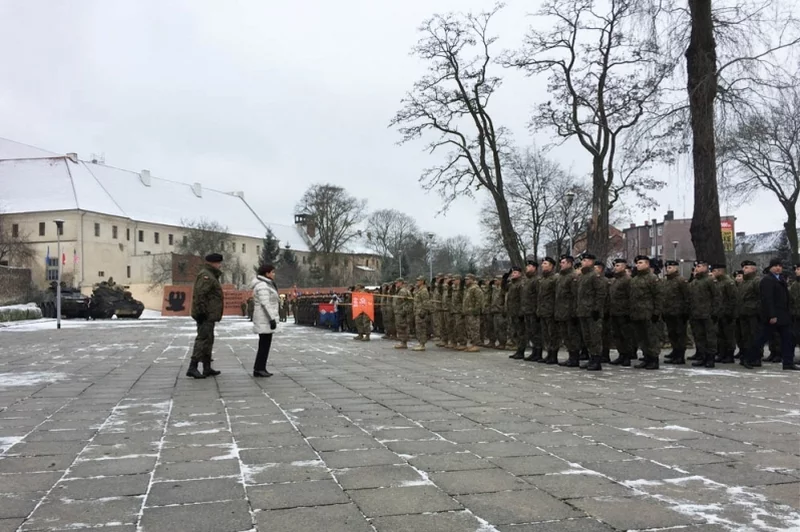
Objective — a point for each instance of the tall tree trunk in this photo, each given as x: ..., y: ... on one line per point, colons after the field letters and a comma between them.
x: 791, y: 232
x: 510, y: 241
x: 701, y: 68
x: 597, y: 233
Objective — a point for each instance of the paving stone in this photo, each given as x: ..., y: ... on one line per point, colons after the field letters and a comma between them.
x: 400, y: 501
x: 33, y: 464
x: 440, y: 522
x: 422, y: 447
x: 193, y: 491
x: 517, y: 507
x: 98, y: 488
x: 531, y: 465
x: 585, y: 524
x: 230, y: 516
x: 680, y: 456
x: 378, y: 477
x: 740, y: 474
x: 632, y: 513
x: 277, y: 455
x: 61, y: 435
x: 591, y: 453
x: 10, y: 525
x: 478, y: 481
x: 16, y: 505
x: 293, y: 472
x: 788, y: 494
x: 341, y: 444
x: 119, y: 450
x: 60, y: 514
x: 503, y: 449
x: 190, y: 470
x: 343, y: 459
x: 474, y: 436
x: 112, y: 467
x: 21, y: 482
x: 576, y: 485
x: 195, y: 452
x: 450, y: 462
x: 333, y: 518
x: 277, y: 496
x: 634, y: 470
x: 552, y: 439
x: 410, y: 433
x: 46, y: 448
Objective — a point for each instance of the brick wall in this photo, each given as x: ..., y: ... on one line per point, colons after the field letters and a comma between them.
x: 15, y: 285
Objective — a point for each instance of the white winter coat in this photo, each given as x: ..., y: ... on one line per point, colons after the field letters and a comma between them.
x: 266, y: 304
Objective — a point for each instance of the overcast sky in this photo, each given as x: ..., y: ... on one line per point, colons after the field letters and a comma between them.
x: 262, y: 96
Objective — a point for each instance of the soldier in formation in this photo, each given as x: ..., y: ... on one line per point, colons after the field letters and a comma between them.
x: 422, y: 308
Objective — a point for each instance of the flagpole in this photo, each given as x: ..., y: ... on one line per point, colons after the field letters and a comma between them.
x: 59, y: 226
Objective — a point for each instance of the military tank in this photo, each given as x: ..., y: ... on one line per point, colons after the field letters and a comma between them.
x: 109, y: 299
x: 73, y: 303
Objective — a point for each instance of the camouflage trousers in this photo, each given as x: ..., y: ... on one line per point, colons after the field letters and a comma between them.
x: 533, y: 330
x: 592, y: 334
x: 623, y: 335
x: 438, y: 330
x: 647, y: 338
x: 204, y: 342
x: 500, y: 329
x: 363, y: 325
x: 549, y: 332
x: 726, y: 335
x: 401, y: 323
x: 488, y: 328
x: 676, y: 331
x: 748, y: 330
x: 570, y: 334
x: 516, y: 329
x: 457, y: 333
x: 389, y: 324
x: 472, y: 328
x: 705, y: 336
x: 421, y: 326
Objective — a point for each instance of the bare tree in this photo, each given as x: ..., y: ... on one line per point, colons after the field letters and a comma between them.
x: 160, y: 271
x: 335, y: 216
x: 389, y: 230
x: 451, y: 104
x: 202, y: 237
x: 569, y: 218
x: 762, y: 152
x: 604, y: 77
x: 15, y: 246
x: 456, y: 255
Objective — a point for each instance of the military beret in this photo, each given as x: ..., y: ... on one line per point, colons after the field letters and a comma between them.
x: 533, y: 263
x: 400, y: 280
x: 530, y: 258
x: 739, y: 272
x: 718, y: 266
x: 700, y: 261
x: 671, y: 263
x: 567, y: 258
x: 600, y: 263
x: 641, y: 257
x: 516, y: 269
x: 213, y: 257
x: 588, y: 256
x: 620, y: 261
x: 797, y: 266
x: 551, y: 260
x: 748, y: 263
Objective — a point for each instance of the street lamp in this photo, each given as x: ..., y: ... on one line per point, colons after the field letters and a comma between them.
x: 430, y: 237
x: 655, y: 238
x: 570, y: 198
x: 675, y: 250
x: 59, y: 228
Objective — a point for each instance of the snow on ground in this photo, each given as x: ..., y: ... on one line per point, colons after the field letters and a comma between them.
x: 29, y: 378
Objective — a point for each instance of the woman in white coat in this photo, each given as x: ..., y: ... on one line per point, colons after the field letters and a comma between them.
x: 265, y: 313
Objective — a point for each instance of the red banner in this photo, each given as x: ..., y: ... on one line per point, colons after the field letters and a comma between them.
x: 363, y: 303
x: 177, y: 300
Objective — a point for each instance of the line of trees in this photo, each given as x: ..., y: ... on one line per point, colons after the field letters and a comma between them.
x: 618, y: 92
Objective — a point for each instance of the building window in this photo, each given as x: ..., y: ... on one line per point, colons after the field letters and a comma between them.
x: 660, y: 230
x: 244, y: 248
x: 170, y: 239
x: 14, y: 230
x: 42, y: 229
x: 258, y: 250
x: 114, y: 232
x: 233, y: 247
x: 141, y: 236
x: 185, y: 240
x: 101, y: 274
x: 156, y: 238
x: 650, y: 232
x: 128, y: 234
x: 304, y: 260
x: 52, y: 269
x: 96, y: 229
x: 128, y: 270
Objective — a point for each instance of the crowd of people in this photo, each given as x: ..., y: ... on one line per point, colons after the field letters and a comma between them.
x: 589, y: 309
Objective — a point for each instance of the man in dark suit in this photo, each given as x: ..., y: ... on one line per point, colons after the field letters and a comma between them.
x: 775, y: 316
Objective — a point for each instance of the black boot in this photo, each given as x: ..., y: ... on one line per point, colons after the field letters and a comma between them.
x: 699, y: 359
x: 678, y: 359
x: 696, y: 356
x: 208, y: 371
x: 193, y: 371
x: 729, y: 357
x: 738, y: 355
x: 605, y: 356
x: 619, y: 360
x: 552, y: 357
x: 535, y: 356
x: 519, y: 354
x: 573, y: 361
x: 710, y: 358
x: 594, y: 364
x: 584, y: 354
x: 671, y: 354
x: 648, y: 363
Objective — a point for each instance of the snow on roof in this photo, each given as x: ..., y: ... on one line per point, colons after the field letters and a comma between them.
x: 759, y: 242
x: 10, y: 149
x: 289, y: 235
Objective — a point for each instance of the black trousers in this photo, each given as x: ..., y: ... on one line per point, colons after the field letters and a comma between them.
x: 264, y: 343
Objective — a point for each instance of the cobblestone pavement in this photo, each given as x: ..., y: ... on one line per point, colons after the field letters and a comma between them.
x: 101, y: 430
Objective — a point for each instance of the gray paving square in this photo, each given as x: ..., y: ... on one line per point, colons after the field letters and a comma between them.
x: 112, y: 467
x: 585, y: 524
x: 576, y: 485
x: 632, y: 513
x: 503, y: 449
x: 440, y: 522
x: 740, y: 474
x: 294, y: 494
x: 98, y: 488
x: 531, y: 465
x: 377, y: 477
x: 333, y: 518
x: 61, y: 514
x: 343, y: 459
x: 292, y: 472
x: 477, y: 481
x: 463, y: 461
x: 19, y: 505
x: 193, y: 491
x: 517, y: 507
x: 231, y: 516
x: 190, y: 470
x: 400, y: 501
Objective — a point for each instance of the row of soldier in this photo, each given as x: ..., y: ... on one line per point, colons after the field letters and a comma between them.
x: 582, y: 308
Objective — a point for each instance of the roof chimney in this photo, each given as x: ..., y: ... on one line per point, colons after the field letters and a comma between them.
x: 73, y: 157
x: 197, y: 188
x: 740, y: 234
x: 144, y: 176
x: 669, y: 216
x: 633, y: 225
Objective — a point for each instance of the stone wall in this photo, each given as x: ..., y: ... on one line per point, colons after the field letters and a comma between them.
x: 15, y: 285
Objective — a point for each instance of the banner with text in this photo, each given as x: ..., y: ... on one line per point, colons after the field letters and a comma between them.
x: 363, y: 302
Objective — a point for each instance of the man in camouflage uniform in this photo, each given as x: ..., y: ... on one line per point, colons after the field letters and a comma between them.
x: 564, y: 312
x: 473, y: 305
x: 436, y: 305
x: 422, y: 307
x: 545, y: 307
x: 207, y: 306
x: 488, y: 319
x: 457, y: 314
x: 529, y: 303
x: 726, y: 331
x: 645, y: 312
x: 388, y: 312
x: 748, y: 301
x: 446, y: 337
x: 362, y: 322
x: 403, y: 312
x: 675, y: 311
x: 704, y: 305
x: 498, y: 310
x: 605, y: 354
x: 619, y: 300
x: 514, y: 311
x: 590, y: 300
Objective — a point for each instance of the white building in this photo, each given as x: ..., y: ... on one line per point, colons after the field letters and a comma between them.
x: 116, y: 221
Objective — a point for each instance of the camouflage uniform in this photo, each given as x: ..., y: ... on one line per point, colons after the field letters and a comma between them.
x: 387, y: 310
x: 564, y: 314
x: 436, y: 303
x: 529, y: 303
x: 472, y: 306
x: 645, y: 312
x: 748, y: 301
x: 403, y: 313
x: 675, y: 298
x: 207, y: 305
x: 704, y: 303
x: 619, y: 299
x: 590, y: 299
x: 498, y: 311
x: 447, y: 335
x: 545, y: 307
x: 726, y: 333
x: 457, y: 315
x: 516, y: 318
x: 487, y: 333
x: 422, y: 308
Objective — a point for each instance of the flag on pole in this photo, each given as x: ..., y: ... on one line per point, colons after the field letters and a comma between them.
x: 63, y: 259
x: 74, y: 256
x: 47, y: 257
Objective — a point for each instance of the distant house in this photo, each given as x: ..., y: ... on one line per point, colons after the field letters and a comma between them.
x: 760, y: 247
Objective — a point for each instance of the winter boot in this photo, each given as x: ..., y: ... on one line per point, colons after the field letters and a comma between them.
x: 648, y: 363
x: 519, y: 354
x: 594, y: 363
x: 208, y: 371
x: 699, y: 359
x: 678, y: 359
x: 710, y: 360
x: 696, y: 356
x: 366, y: 338
x: 358, y: 338
x: 535, y: 356
x: 401, y: 345
x: 552, y: 357
x: 671, y: 354
x: 193, y: 371
x: 573, y: 361
x: 420, y: 347
x: 605, y: 356
x: 584, y: 354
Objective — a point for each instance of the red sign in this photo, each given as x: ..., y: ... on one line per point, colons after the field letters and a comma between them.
x: 363, y: 303
x: 177, y: 300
